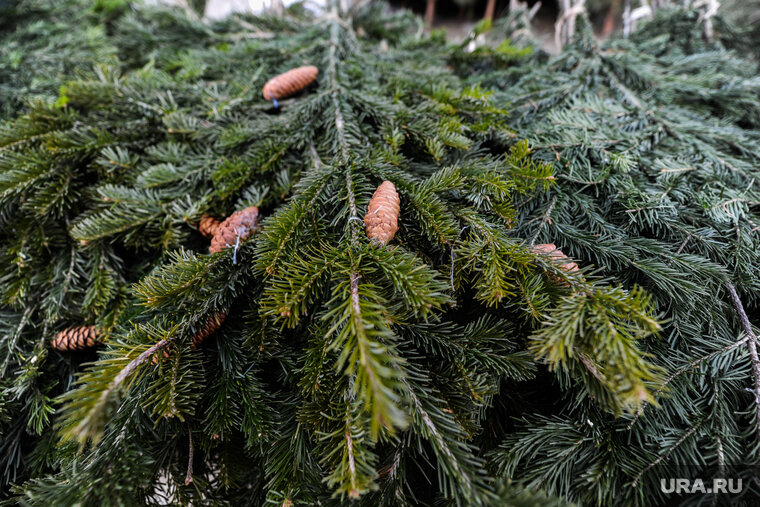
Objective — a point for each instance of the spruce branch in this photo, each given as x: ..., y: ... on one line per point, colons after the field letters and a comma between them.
x: 690, y: 366
x: 599, y: 329
x: 365, y: 344
x: 628, y: 132
x: 751, y: 346
x: 546, y: 218
x: 338, y: 355
x: 87, y: 412
x: 354, y: 473
x: 16, y: 336
x: 664, y: 457
x: 462, y: 475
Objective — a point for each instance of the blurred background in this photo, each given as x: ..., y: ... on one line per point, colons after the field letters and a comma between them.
x: 458, y: 17
x: 606, y: 14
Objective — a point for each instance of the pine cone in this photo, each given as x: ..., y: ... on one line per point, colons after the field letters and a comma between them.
x: 239, y: 225
x: 554, y: 252
x: 289, y: 83
x: 381, y: 220
x: 208, y: 226
x: 76, y: 338
x: 213, y: 323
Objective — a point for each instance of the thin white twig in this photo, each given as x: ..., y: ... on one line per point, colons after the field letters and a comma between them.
x: 191, y: 452
x: 564, y: 27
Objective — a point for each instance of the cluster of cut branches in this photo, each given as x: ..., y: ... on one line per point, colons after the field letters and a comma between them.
x: 348, y: 369
x: 655, y: 142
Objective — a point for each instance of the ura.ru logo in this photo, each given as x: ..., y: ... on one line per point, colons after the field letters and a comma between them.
x: 689, y: 486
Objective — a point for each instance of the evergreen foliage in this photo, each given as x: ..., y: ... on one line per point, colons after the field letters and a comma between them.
x: 45, y: 42
x: 745, y: 15
x: 38, y: 47
x: 346, y: 369
x: 655, y: 143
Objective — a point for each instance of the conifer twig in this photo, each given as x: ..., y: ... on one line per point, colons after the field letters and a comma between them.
x: 433, y: 429
x: 590, y: 366
x: 315, y: 160
x: 335, y: 90
x: 667, y: 454
x: 69, y: 274
x: 721, y: 456
x: 16, y: 335
x: 123, y: 374
x: 721, y: 465
x: 132, y: 366
x: 544, y: 220
x: 751, y: 345
x: 191, y: 452
x: 355, y: 299
x: 683, y: 245
x: 689, y: 366
x: 354, y: 493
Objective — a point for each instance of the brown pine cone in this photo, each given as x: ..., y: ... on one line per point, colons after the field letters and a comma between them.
x: 290, y: 82
x: 557, y: 254
x: 237, y: 226
x: 213, y: 323
x: 76, y: 338
x: 381, y: 220
x: 208, y: 226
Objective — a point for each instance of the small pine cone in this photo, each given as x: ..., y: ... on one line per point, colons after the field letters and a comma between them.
x: 208, y: 226
x: 552, y: 250
x: 381, y: 220
x: 290, y: 82
x: 237, y: 226
x: 212, y: 324
x: 76, y: 338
